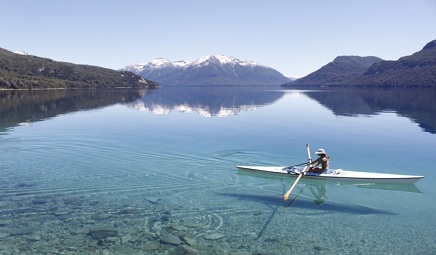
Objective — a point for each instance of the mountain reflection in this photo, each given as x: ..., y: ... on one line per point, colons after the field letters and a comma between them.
x: 414, y: 103
x: 27, y: 106
x: 208, y: 102
x: 23, y: 106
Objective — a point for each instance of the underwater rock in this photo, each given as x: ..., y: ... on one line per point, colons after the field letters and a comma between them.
x: 39, y: 201
x: 125, y: 249
x: 134, y: 222
x: 257, y: 213
x: 165, y: 218
x: 118, y: 223
x: 100, y: 216
x: 213, y: 236
x: 171, y: 239
x: 33, y: 237
x: 153, y: 246
x: 93, y: 202
x: 102, y: 232
x: 126, y: 238
x: 179, y: 227
x: 75, y: 201
x: 186, y: 250
x: 21, y: 231
x: 243, y: 253
x: 3, y: 235
x: 130, y: 210
x: 209, y: 249
x: 153, y: 200
x: 317, y: 248
x: 189, y: 239
x: 62, y: 212
x: 21, y: 210
x: 24, y: 185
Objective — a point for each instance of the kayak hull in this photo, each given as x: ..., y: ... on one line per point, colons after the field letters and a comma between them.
x: 336, y: 174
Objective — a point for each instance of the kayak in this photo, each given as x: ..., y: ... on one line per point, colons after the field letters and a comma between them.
x: 335, y: 174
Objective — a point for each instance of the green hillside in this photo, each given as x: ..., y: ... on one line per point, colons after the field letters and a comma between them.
x: 19, y: 71
x: 336, y: 73
x: 417, y: 70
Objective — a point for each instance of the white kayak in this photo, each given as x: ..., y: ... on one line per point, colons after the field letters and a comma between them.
x: 336, y: 174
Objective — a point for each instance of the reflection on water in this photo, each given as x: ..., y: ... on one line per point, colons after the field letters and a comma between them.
x: 208, y: 102
x: 417, y: 104
x: 25, y: 106
x: 319, y: 193
x: 318, y: 188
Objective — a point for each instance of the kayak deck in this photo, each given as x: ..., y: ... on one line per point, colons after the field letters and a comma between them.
x: 336, y: 174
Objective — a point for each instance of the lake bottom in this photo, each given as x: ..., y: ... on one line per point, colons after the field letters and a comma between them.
x: 203, y: 207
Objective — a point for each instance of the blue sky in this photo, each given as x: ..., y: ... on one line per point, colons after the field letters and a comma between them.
x: 293, y: 37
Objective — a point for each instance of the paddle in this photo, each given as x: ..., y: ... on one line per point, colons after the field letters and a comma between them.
x: 295, y: 198
x: 308, y: 155
x: 305, y: 163
x: 286, y: 196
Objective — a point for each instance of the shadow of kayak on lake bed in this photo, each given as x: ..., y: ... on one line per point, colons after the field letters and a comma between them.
x: 310, y: 204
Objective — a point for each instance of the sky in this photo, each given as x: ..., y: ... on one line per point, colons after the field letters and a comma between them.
x: 293, y: 37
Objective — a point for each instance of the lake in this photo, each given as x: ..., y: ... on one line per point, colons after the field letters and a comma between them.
x: 153, y: 171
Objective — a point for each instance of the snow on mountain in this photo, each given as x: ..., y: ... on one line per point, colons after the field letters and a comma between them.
x: 181, y: 63
x: 21, y: 53
x: 222, y: 60
x: 205, y: 60
x: 136, y: 68
x: 208, y: 70
x: 160, y: 63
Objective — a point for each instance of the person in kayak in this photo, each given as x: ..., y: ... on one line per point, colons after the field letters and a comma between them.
x: 322, y: 160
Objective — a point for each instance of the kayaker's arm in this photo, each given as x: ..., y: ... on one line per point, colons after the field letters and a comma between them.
x: 316, y: 162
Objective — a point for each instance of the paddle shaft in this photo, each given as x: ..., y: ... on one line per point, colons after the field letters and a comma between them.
x: 286, y: 196
x: 305, y: 163
x: 308, y: 155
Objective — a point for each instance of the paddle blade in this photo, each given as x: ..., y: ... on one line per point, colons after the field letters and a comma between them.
x: 286, y: 196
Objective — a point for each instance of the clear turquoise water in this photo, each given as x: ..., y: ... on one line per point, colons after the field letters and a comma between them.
x: 164, y: 164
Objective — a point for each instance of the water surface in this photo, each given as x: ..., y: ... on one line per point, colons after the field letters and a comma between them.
x: 153, y: 172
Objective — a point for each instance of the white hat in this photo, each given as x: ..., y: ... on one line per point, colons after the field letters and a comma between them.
x: 320, y: 151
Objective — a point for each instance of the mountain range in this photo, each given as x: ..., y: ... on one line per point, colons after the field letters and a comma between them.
x: 337, y: 72
x: 208, y: 70
x: 22, y: 71
x: 416, y: 70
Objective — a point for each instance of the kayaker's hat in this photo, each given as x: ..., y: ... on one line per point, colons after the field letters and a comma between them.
x: 320, y: 151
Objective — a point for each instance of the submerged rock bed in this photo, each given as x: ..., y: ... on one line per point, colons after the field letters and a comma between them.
x: 156, y: 223
x: 88, y: 225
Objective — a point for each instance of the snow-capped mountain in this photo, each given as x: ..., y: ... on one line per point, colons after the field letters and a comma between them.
x: 208, y: 70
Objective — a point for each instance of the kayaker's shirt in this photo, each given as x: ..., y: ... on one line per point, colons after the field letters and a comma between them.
x: 324, y: 161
